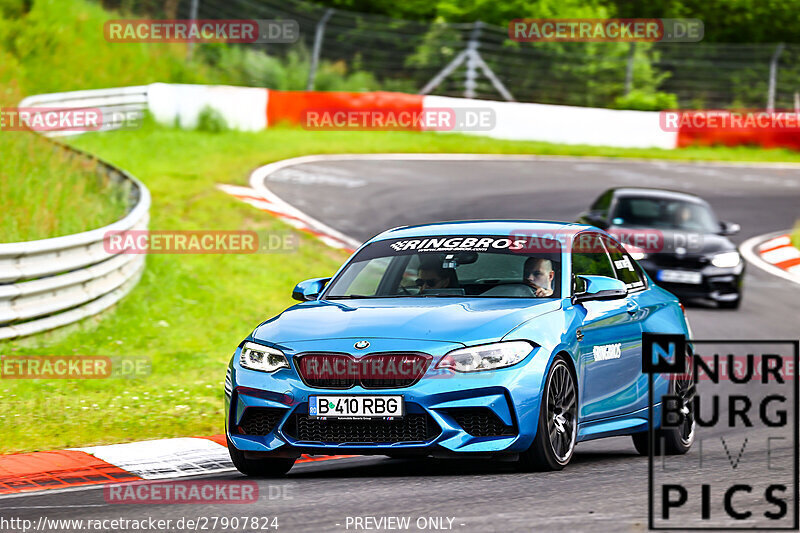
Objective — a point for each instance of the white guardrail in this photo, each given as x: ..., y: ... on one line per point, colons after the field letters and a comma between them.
x: 49, y: 283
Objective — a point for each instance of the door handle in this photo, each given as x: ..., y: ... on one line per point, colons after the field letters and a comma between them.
x: 632, y: 307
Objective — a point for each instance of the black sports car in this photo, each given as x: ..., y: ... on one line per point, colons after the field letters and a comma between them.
x: 676, y: 238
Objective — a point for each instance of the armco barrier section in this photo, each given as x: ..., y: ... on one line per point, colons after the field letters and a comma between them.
x: 49, y: 283
x: 117, y: 105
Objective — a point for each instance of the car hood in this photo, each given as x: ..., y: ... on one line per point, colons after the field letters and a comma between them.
x: 464, y: 320
x: 694, y: 244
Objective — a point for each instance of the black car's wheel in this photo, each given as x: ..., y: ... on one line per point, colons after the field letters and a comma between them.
x: 675, y: 440
x: 274, y: 467
x: 555, y: 438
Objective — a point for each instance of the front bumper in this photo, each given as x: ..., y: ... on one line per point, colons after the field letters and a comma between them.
x: 718, y: 284
x: 447, y: 413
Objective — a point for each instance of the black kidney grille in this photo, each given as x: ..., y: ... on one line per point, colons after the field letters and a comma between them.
x: 410, y: 428
x: 481, y: 422
x: 666, y: 259
x: 260, y: 421
x: 374, y: 371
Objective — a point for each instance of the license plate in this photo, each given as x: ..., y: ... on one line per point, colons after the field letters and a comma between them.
x: 680, y: 276
x: 355, y: 407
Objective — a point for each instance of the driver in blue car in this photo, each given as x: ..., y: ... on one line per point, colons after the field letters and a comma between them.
x: 538, y: 274
x: 431, y: 275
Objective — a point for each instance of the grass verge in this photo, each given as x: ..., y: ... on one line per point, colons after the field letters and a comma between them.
x: 189, y: 311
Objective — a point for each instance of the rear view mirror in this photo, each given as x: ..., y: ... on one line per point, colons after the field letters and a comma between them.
x: 599, y: 288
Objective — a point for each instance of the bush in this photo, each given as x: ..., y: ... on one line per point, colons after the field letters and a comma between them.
x: 12, y: 9
x: 238, y: 65
x: 646, y: 101
x: 211, y: 120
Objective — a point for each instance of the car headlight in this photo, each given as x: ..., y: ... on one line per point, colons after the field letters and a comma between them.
x: 486, y: 357
x: 257, y: 357
x: 726, y: 259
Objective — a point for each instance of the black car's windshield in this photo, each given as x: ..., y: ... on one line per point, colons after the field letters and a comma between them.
x: 664, y: 213
x: 452, y: 266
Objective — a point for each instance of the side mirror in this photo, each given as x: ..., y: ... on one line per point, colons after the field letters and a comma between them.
x: 595, y: 218
x: 600, y: 288
x: 309, y: 289
x: 729, y: 228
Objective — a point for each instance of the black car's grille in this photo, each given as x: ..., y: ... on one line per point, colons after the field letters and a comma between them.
x: 260, y: 421
x: 666, y: 259
x: 481, y: 422
x: 410, y: 428
x: 375, y: 371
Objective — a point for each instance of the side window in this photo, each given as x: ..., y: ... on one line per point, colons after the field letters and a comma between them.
x: 409, y: 277
x: 589, y: 257
x: 625, y: 267
x: 366, y: 276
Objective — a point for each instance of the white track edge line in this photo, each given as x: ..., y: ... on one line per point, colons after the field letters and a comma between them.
x: 316, y: 158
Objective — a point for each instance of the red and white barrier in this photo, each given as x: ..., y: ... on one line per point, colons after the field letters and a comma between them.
x: 253, y: 109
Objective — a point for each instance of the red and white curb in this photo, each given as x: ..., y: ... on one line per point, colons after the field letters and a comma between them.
x: 272, y: 204
x: 775, y: 254
x: 781, y: 253
x: 119, y: 463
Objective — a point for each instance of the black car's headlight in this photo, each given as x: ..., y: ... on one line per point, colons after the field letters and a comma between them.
x: 486, y: 356
x: 726, y: 259
x: 258, y: 357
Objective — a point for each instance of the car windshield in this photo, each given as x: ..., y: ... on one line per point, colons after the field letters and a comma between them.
x: 452, y: 266
x: 647, y: 212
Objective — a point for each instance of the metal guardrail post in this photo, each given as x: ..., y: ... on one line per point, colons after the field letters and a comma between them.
x: 629, y: 68
x: 319, y: 35
x: 192, y: 16
x: 470, y: 82
x: 773, y: 77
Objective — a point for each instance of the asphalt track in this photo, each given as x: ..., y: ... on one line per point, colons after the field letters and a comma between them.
x: 605, y: 487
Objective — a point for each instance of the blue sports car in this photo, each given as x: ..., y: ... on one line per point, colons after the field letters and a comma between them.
x: 514, y: 339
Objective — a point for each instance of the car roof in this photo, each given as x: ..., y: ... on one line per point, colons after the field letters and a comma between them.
x: 656, y: 193
x: 481, y: 227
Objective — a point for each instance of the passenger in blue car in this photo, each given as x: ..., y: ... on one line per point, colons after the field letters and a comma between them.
x: 538, y: 274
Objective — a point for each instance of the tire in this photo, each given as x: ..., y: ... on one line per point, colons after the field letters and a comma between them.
x: 554, y: 444
x: 267, y: 468
x: 677, y: 440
